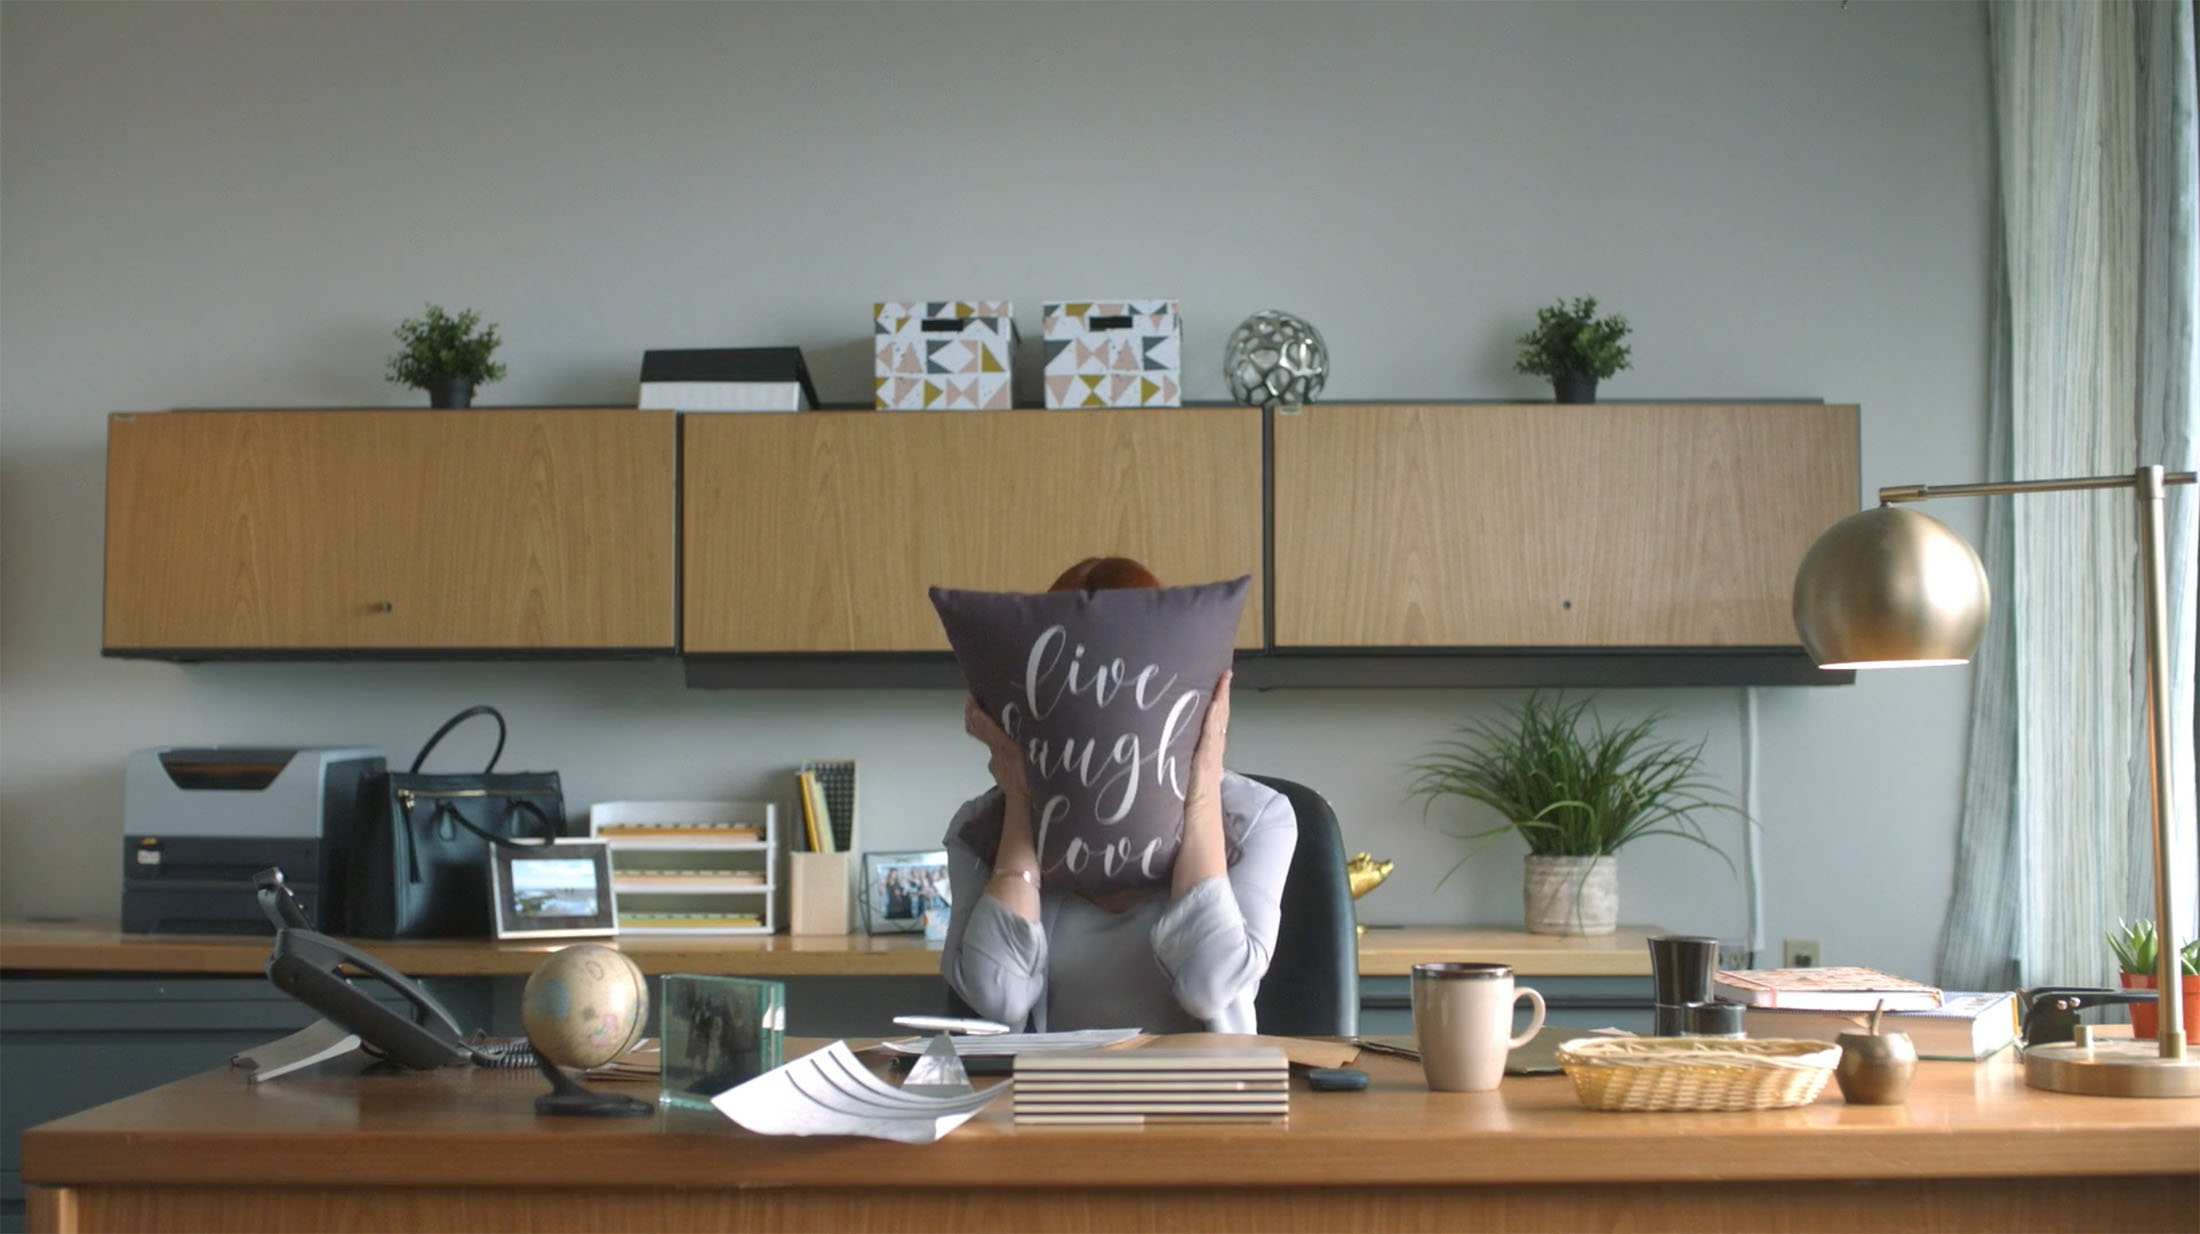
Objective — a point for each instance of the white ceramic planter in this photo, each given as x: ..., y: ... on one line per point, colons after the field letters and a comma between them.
x: 1572, y: 895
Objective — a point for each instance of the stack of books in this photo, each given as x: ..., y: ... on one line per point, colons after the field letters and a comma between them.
x: 1820, y: 1004
x: 1153, y: 1087
x: 1964, y: 1027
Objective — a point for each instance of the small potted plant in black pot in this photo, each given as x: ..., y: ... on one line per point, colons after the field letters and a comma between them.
x: 1575, y: 348
x: 446, y: 356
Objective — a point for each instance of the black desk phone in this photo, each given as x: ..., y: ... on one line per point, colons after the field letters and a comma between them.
x: 307, y: 966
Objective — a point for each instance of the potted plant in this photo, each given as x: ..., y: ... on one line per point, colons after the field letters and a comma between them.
x: 446, y: 356
x: 1575, y: 348
x: 1577, y: 792
x: 2137, y: 949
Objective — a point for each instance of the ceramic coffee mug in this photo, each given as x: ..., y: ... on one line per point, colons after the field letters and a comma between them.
x: 1462, y: 1019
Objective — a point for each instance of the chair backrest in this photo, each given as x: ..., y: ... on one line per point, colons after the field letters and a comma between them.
x: 1313, y: 984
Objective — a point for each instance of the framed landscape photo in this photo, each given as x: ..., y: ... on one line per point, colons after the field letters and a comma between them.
x: 560, y: 890
x: 901, y: 891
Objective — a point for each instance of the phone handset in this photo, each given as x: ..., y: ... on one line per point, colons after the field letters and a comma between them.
x: 305, y: 965
x: 278, y: 901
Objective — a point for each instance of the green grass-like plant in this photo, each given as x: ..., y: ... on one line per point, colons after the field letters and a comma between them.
x: 2137, y: 947
x: 1570, y: 785
x: 1571, y: 338
x: 440, y: 347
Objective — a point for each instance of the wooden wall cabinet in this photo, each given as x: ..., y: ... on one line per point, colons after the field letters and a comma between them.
x: 1403, y: 544
x: 508, y: 530
x: 1595, y: 526
x: 820, y: 532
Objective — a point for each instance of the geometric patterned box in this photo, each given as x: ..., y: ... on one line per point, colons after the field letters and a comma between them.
x: 1114, y: 353
x: 942, y: 355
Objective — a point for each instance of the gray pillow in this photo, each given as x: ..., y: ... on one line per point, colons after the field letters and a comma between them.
x: 1105, y: 692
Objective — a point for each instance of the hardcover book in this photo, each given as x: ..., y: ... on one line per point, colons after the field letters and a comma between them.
x: 1966, y: 1027
x: 1826, y: 989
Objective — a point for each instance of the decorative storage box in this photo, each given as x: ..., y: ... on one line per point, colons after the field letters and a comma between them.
x: 943, y: 355
x: 1114, y: 353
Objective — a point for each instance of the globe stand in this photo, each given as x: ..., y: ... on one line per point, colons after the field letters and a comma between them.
x: 569, y: 1096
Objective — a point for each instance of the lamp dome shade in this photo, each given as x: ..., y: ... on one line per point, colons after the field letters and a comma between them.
x: 1890, y: 587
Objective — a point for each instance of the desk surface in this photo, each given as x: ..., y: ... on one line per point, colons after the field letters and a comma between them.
x: 87, y: 945
x: 1967, y: 1125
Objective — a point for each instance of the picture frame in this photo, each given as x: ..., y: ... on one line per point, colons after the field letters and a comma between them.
x: 556, y: 890
x: 902, y: 890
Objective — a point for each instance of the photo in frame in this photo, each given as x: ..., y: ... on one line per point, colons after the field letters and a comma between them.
x: 560, y: 890
x: 905, y: 893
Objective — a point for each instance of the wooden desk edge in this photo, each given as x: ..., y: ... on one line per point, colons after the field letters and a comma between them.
x: 86, y: 945
x: 199, y: 1132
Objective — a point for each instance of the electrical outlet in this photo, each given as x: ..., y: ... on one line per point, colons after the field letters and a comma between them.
x: 1798, y: 953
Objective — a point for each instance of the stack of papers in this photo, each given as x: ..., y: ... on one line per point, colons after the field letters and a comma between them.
x: 1153, y: 1086
x: 831, y: 1092
x: 1012, y: 1045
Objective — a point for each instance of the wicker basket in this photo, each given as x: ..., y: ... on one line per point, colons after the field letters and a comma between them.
x: 1696, y: 1073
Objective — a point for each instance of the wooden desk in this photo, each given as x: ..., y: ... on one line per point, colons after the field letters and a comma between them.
x: 88, y: 945
x: 463, y: 1150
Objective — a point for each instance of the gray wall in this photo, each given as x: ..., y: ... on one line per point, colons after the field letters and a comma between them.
x: 231, y: 205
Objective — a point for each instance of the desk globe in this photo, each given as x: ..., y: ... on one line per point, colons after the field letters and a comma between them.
x: 584, y: 1006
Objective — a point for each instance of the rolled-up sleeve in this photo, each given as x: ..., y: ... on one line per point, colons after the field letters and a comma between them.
x: 1215, y: 941
x: 994, y: 959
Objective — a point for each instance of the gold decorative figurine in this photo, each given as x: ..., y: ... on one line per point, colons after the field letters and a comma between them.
x: 1364, y: 874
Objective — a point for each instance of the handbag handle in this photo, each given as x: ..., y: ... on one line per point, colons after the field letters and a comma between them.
x: 550, y: 829
x: 454, y: 722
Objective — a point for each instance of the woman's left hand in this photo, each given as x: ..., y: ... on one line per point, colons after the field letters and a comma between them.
x: 1202, y: 856
x: 1214, y: 737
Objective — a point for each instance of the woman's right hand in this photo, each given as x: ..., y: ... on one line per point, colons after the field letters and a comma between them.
x: 1003, y: 759
x: 1015, y: 877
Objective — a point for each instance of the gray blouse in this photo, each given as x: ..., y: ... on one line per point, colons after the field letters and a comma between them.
x: 1185, y: 967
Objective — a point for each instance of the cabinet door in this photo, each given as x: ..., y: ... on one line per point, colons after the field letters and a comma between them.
x: 1607, y: 525
x: 390, y: 530
x: 820, y: 531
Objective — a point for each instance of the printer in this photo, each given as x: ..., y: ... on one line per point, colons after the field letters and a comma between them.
x: 197, y: 822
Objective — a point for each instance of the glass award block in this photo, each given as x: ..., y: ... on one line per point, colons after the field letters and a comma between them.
x: 717, y: 1032
x: 939, y: 1071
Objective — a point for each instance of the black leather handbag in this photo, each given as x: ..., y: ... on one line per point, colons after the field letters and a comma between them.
x: 424, y: 871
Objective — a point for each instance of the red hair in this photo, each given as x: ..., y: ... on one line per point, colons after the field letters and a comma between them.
x: 1104, y: 574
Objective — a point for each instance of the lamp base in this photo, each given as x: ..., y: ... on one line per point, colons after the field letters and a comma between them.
x: 2115, y: 1068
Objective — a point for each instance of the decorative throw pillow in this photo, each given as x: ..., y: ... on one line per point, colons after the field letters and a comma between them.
x: 1105, y: 692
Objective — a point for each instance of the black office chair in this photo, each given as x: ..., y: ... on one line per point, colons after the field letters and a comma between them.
x: 1312, y: 988
x: 1313, y: 984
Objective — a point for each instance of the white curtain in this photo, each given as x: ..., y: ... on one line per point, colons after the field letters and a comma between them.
x: 2094, y: 359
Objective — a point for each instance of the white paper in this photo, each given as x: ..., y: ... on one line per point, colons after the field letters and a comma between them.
x: 309, y: 1045
x: 831, y: 1092
x: 1008, y: 1045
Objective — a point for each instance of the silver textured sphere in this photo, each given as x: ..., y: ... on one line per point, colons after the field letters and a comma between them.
x: 1275, y: 357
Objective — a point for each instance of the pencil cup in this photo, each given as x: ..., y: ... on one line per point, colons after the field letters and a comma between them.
x: 817, y: 896
x: 1681, y: 968
x: 1462, y: 1019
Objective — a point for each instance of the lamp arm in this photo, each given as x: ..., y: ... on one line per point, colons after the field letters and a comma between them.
x: 2147, y: 484
x: 1926, y: 492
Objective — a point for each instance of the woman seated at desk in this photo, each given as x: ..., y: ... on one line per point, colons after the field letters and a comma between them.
x: 1186, y: 955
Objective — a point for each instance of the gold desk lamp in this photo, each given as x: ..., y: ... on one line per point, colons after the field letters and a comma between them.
x: 1892, y: 588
